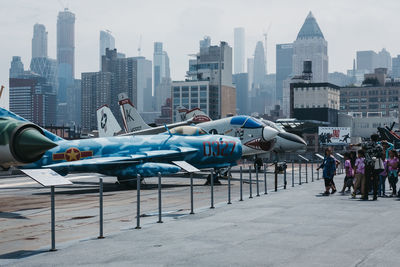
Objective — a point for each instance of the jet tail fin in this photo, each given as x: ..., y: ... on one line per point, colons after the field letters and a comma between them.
x: 132, y: 119
x: 7, y: 113
x: 107, y: 125
x: 196, y: 115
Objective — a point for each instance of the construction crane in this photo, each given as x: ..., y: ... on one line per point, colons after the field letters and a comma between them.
x: 140, y: 46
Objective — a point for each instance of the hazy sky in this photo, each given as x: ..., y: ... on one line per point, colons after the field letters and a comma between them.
x: 348, y: 26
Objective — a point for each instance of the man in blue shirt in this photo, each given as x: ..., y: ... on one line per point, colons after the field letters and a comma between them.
x: 329, y: 170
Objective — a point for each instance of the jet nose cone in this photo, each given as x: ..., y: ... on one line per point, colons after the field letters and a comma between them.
x: 293, y: 138
x: 30, y: 144
x: 269, y: 133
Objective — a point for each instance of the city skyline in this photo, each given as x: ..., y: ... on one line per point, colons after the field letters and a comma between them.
x: 254, y: 18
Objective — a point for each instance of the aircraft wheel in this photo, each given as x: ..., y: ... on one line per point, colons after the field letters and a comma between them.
x: 258, y: 163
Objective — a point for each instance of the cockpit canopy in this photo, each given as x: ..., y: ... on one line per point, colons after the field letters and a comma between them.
x: 246, y: 122
x: 188, y: 131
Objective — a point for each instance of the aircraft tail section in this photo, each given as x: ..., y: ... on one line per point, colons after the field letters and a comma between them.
x: 106, y: 122
x: 132, y: 120
x: 195, y: 114
x: 9, y: 114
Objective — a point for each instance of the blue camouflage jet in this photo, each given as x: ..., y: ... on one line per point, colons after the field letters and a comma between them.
x: 127, y: 156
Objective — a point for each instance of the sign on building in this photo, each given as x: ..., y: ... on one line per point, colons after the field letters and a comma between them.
x: 334, y: 135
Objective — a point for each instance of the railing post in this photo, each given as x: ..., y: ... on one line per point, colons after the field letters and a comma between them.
x: 312, y: 171
x: 258, y: 187
x: 212, y: 190
x: 292, y: 173
x: 138, y: 202
x: 241, y: 184
x: 250, y: 183
x: 229, y: 187
x: 284, y: 177
x: 265, y: 179
x: 53, y: 220
x: 299, y: 172
x: 159, y: 199
x: 306, y: 172
x: 101, y: 208
x: 191, y: 194
x: 276, y: 176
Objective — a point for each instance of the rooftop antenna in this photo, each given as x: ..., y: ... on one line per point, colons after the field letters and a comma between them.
x: 265, y: 33
x: 140, y: 46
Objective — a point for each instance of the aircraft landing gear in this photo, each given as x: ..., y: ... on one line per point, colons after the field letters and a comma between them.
x: 216, y: 180
x: 130, y: 182
x: 258, y: 163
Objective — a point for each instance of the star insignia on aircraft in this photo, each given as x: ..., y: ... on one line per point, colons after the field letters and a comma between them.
x: 72, y: 154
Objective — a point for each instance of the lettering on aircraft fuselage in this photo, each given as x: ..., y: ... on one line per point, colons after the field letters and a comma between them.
x: 239, y: 132
x: 218, y: 148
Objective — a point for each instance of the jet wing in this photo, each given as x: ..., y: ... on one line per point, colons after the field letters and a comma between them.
x: 132, y: 159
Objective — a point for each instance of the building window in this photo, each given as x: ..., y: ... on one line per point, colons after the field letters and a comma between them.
x: 185, y: 88
x: 373, y: 106
x: 383, y: 106
x: 354, y: 100
x: 176, y: 88
x: 394, y: 105
x: 373, y: 99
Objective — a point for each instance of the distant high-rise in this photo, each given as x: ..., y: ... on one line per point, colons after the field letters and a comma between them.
x: 96, y: 91
x: 284, y: 65
x: 209, y: 83
x: 65, y: 53
x: 205, y: 43
x: 250, y: 71
x: 239, y: 50
x: 17, y: 67
x: 46, y: 68
x: 106, y: 41
x: 161, y: 75
x: 396, y: 67
x: 259, y: 65
x: 311, y: 45
x: 384, y: 60
x: 242, y: 92
x: 367, y: 60
x: 39, y: 41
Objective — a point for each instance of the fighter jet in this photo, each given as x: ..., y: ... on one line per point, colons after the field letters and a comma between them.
x: 254, y: 135
x: 127, y: 156
x: 22, y: 142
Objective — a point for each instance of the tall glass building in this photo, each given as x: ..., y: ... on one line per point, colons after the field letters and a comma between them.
x: 65, y: 53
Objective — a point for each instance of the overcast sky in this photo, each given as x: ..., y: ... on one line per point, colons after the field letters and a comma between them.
x: 348, y: 26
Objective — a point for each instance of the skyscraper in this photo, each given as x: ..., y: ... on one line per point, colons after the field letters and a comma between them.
x: 396, y: 67
x: 39, y: 41
x: 205, y: 43
x: 239, y: 50
x: 311, y: 45
x: 106, y: 41
x: 96, y: 91
x: 65, y: 53
x: 384, y: 60
x: 46, y: 68
x: 209, y: 83
x: 284, y: 65
x: 259, y: 65
x: 161, y: 75
x: 367, y: 60
x: 17, y: 67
